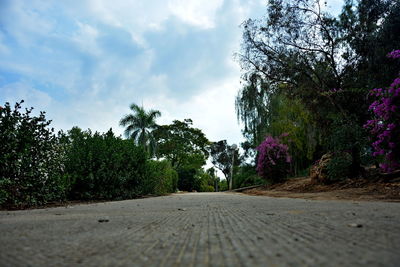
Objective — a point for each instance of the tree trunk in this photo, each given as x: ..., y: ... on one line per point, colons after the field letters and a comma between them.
x: 355, y: 167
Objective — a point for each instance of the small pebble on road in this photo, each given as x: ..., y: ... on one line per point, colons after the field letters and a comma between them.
x: 355, y: 225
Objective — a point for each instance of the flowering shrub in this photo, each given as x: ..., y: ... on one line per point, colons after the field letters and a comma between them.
x: 273, y: 159
x: 385, y: 127
x: 394, y: 54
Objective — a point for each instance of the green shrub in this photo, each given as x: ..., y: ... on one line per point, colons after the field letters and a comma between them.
x: 207, y: 188
x: 188, y: 180
x: 246, y: 175
x: 160, y: 178
x: 192, y: 179
x: 223, y: 185
x: 338, y: 166
x: 30, y: 159
x: 102, y: 166
x: 37, y: 166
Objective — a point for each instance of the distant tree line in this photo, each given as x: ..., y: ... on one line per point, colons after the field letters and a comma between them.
x: 39, y: 166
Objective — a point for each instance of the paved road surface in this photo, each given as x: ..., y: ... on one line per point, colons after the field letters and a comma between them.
x: 201, y: 229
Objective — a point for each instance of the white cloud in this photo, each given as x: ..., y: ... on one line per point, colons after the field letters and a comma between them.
x: 136, y: 17
x: 15, y: 92
x: 196, y: 12
x: 86, y: 38
x: 99, y: 81
x: 212, y: 110
x: 26, y: 24
x: 3, y: 47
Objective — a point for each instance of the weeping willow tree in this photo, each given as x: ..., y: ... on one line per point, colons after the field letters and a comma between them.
x: 300, y: 58
x: 268, y: 111
x: 252, y: 108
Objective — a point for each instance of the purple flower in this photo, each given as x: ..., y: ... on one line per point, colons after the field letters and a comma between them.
x: 394, y: 54
x: 273, y: 158
x: 384, y: 127
x: 284, y: 134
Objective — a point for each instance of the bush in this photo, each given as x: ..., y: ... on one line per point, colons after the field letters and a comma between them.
x: 338, y: 167
x: 30, y: 159
x: 207, y: 181
x: 273, y: 163
x: 385, y: 126
x: 207, y: 188
x: 332, y: 167
x: 188, y: 180
x: 223, y: 185
x: 246, y: 175
x: 102, y: 166
x: 37, y: 166
x: 160, y: 179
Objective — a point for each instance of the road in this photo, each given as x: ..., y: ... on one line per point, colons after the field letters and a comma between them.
x: 204, y: 229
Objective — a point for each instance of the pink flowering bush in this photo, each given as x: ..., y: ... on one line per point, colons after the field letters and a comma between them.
x: 385, y: 126
x: 273, y: 161
x: 394, y: 54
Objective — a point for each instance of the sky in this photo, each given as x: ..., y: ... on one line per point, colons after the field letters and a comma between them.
x: 85, y: 61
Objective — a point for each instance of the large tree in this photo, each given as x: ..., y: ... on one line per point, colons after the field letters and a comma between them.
x: 139, y: 126
x: 300, y: 51
x: 186, y: 148
x: 182, y: 144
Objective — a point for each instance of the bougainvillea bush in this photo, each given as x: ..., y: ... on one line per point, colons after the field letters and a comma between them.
x: 273, y: 163
x: 385, y: 126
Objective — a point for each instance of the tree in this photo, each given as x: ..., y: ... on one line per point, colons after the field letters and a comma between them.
x: 139, y: 126
x: 297, y: 46
x: 275, y: 115
x: 186, y: 148
x: 371, y: 29
x: 290, y: 57
x: 182, y: 144
x: 327, y: 63
x: 214, y: 179
x: 252, y: 108
x: 222, y: 156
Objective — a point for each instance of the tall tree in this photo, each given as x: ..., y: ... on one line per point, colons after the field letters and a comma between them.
x: 139, y: 126
x: 225, y: 157
x: 182, y: 144
x: 327, y: 63
x: 371, y: 29
x: 186, y: 148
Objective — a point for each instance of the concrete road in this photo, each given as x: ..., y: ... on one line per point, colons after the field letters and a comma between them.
x: 201, y: 229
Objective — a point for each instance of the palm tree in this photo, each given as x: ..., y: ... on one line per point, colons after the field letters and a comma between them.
x: 139, y: 126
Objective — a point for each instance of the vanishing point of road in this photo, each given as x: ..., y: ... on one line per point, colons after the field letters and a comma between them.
x: 204, y: 229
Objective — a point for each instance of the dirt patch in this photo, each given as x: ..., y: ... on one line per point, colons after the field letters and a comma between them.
x: 70, y: 203
x: 355, y: 189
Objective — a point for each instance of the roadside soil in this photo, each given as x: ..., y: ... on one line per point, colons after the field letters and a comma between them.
x: 68, y: 203
x: 354, y: 189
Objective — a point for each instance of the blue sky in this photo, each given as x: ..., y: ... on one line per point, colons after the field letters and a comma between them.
x: 85, y: 61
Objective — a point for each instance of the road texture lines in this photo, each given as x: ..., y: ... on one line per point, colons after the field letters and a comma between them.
x: 204, y: 229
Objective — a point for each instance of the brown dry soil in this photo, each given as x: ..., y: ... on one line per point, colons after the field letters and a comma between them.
x: 357, y: 190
